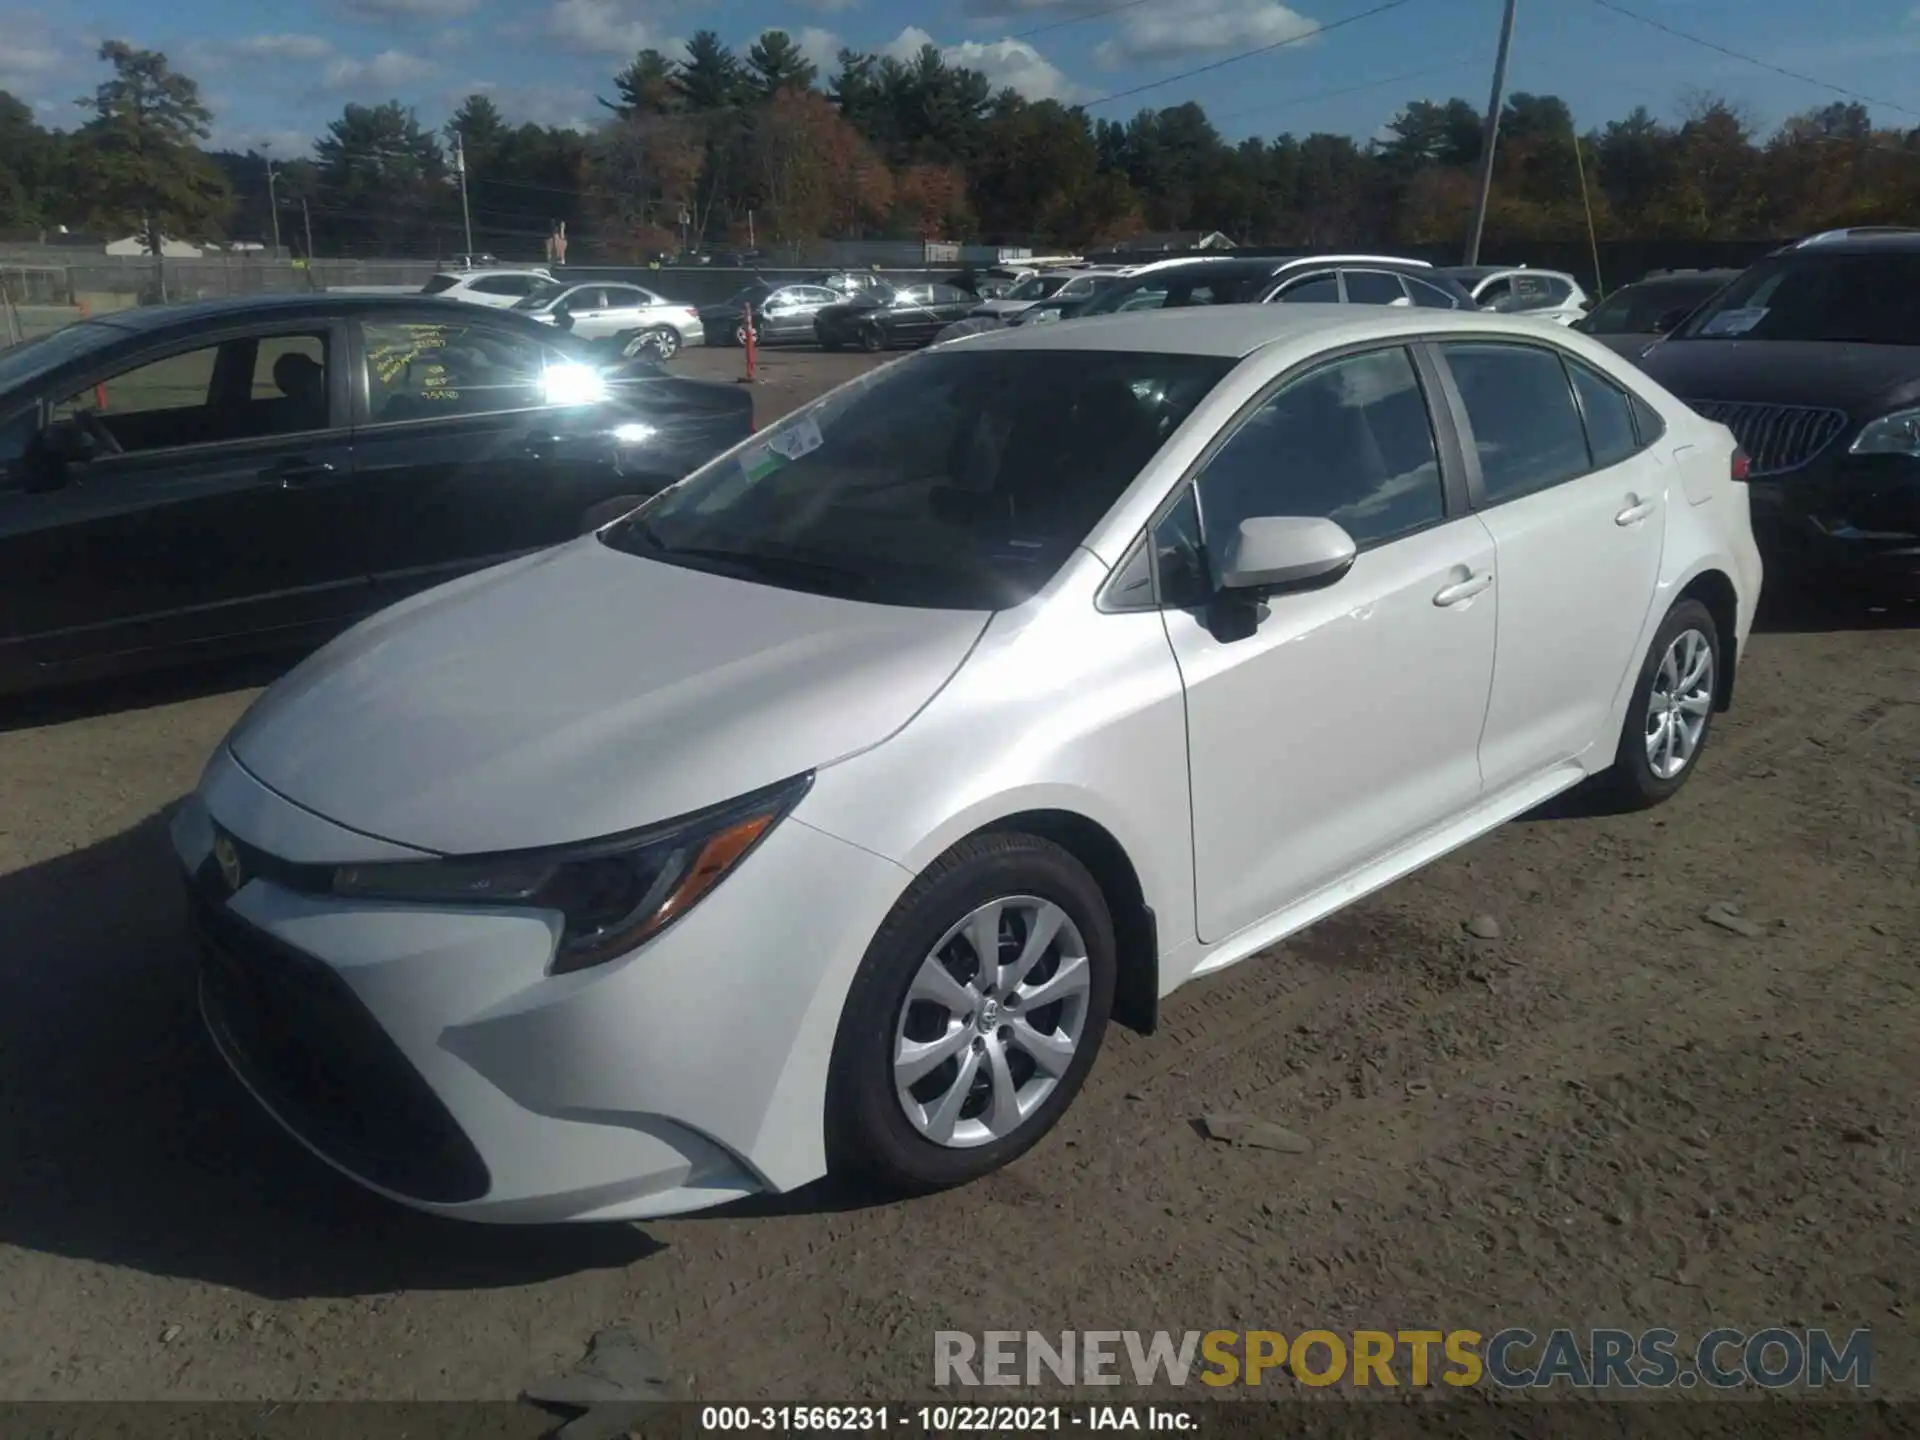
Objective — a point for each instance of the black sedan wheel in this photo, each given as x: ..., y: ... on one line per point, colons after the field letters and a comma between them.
x: 872, y: 339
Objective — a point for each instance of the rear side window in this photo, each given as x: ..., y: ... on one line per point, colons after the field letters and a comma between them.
x: 1372, y: 287
x: 1609, y: 417
x: 1320, y: 290
x: 1526, y: 430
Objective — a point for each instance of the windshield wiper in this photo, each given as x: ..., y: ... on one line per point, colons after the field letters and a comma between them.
x: 754, y: 565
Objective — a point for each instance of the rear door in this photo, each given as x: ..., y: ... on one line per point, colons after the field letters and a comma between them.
x: 1577, y: 508
x: 224, y: 502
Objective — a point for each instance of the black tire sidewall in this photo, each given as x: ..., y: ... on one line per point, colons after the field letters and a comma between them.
x: 872, y: 340
x: 1633, y: 775
x: 866, y: 1128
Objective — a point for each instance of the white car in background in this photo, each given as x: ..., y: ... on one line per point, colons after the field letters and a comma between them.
x: 822, y: 810
x: 1073, y: 284
x: 598, y: 310
x: 496, y: 288
x: 1516, y: 290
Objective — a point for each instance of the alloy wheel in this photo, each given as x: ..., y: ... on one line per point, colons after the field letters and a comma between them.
x: 991, y: 1021
x: 1679, y: 704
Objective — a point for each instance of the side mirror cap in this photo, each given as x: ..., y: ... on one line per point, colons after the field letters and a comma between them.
x: 1273, y: 553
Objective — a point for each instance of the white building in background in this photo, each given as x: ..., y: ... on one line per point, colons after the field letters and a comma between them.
x: 169, y: 249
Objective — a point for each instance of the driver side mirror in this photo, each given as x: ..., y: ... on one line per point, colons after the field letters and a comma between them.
x: 1272, y: 554
x: 61, y: 446
x: 1671, y: 320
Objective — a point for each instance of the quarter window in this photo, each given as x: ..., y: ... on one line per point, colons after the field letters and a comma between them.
x: 1350, y: 441
x: 1526, y: 430
x: 1609, y: 417
x: 1430, y: 296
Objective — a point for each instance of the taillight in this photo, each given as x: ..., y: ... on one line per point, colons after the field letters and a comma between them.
x: 1742, y: 465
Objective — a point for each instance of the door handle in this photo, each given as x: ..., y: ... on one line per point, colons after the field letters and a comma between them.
x: 1465, y: 589
x: 293, y: 474
x: 1635, y: 513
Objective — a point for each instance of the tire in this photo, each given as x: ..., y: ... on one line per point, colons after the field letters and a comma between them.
x: 1634, y: 782
x: 872, y: 340
x: 869, y: 1130
x: 740, y: 335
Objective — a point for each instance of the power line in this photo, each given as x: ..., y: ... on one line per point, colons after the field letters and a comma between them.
x: 1719, y: 49
x: 1249, y: 54
x: 1077, y: 19
x: 1400, y: 79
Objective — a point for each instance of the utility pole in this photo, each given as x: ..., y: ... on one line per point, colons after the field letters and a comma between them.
x: 273, y: 206
x: 307, y: 216
x: 460, y: 166
x: 1490, y: 135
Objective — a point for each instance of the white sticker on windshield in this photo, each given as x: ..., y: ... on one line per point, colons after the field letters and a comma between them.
x: 1735, y: 322
x: 781, y: 447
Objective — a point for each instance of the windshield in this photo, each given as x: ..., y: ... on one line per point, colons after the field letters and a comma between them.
x: 953, y: 480
x: 1170, y: 289
x: 20, y: 363
x: 1870, y: 299
x: 439, y: 283
x: 1636, y: 309
x: 541, y: 296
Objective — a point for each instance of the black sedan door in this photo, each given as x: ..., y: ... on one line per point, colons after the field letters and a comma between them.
x: 786, y: 316
x: 209, y: 492
x: 492, y: 442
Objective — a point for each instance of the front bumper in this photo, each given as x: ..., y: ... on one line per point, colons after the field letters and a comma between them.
x: 1850, y: 516
x: 426, y: 1052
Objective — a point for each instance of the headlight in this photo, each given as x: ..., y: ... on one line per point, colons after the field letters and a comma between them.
x: 613, y: 894
x: 1895, y: 434
x: 571, y: 383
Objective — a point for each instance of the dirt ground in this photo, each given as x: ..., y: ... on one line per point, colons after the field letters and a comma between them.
x: 1614, y: 1113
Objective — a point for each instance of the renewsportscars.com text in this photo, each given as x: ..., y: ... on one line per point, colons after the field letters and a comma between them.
x: 1512, y: 1358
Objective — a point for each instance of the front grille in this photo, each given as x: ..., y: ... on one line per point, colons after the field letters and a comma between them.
x: 1777, y: 438
x: 321, y: 1062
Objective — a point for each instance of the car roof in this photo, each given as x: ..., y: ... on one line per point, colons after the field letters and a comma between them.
x: 1685, y: 277
x: 1342, y: 258
x: 461, y: 272
x: 1235, y: 331
x: 1861, y: 240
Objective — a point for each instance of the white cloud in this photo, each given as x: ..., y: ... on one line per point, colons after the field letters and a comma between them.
x: 31, y: 56
x: 391, y: 12
x: 563, y: 107
x: 1010, y: 63
x: 386, y: 71
x: 1150, y: 33
x: 829, y: 7
x: 282, y: 145
x: 1009, y: 9
x: 598, y: 27
x: 281, y: 47
x: 820, y: 46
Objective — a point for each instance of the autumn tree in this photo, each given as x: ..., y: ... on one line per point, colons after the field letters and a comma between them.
x: 809, y: 171
x: 140, y: 154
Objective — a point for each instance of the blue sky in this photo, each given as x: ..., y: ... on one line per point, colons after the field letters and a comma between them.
x: 277, y: 74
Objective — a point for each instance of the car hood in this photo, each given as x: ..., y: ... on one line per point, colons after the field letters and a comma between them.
x: 580, y: 692
x: 1853, y: 378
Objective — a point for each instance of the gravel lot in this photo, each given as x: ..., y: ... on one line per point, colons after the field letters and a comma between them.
x: 1612, y: 1112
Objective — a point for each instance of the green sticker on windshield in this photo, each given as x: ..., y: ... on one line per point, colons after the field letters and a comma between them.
x: 783, y: 445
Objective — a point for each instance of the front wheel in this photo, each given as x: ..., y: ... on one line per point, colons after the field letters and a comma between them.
x: 974, y: 1017
x: 1671, y: 711
x: 872, y: 340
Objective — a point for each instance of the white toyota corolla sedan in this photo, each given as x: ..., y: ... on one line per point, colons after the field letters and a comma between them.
x: 823, y: 810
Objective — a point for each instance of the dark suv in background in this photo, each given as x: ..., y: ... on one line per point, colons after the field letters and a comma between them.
x: 1812, y: 359
x: 1636, y: 315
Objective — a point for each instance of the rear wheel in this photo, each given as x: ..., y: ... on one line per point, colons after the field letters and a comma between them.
x: 974, y: 1017
x: 1671, y: 712
x: 872, y: 340
x: 661, y: 343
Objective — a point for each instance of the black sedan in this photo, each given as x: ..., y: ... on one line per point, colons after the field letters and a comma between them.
x: 236, y: 475
x: 782, y: 314
x: 877, y: 320
x: 1812, y: 359
x: 1636, y: 315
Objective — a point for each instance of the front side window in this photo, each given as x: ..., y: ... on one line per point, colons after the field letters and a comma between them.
x: 421, y: 370
x: 504, y: 285
x: 1350, y: 441
x: 543, y: 294
x: 1861, y: 299
x: 1372, y: 287
x: 1525, y: 427
x: 1638, y: 309
x: 954, y: 480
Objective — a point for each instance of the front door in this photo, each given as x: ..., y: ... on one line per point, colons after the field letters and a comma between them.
x: 474, y: 462
x: 220, y: 500
x: 1577, y: 508
x: 1347, y: 720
